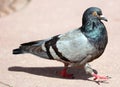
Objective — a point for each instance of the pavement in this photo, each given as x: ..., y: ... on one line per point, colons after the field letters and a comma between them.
x: 45, y: 18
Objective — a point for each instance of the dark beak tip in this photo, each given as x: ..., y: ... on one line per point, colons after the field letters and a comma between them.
x: 106, y: 20
x: 103, y: 18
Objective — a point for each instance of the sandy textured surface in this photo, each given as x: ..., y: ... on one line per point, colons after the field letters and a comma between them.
x: 45, y: 18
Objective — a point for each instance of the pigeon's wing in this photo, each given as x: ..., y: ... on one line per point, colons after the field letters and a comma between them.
x: 72, y: 46
x: 10, y: 6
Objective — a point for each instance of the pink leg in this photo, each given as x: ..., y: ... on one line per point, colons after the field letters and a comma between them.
x: 100, y: 77
x: 90, y: 71
x: 64, y: 73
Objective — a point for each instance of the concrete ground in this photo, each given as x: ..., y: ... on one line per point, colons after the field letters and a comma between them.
x: 45, y: 18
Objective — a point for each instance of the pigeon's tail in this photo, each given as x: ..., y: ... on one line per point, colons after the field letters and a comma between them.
x: 18, y: 51
x: 31, y: 47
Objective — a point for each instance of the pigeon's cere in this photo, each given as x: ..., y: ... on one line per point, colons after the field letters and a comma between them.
x: 75, y: 48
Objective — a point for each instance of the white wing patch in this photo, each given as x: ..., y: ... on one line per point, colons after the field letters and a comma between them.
x: 53, y: 53
x: 10, y: 6
x: 43, y: 46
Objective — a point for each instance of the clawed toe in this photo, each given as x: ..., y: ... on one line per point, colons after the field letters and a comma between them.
x: 100, y: 78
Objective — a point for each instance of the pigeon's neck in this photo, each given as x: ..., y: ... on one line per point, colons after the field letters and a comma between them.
x: 94, y: 29
x: 96, y: 34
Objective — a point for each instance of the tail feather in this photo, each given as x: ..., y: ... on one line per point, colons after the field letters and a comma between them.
x: 17, y: 51
x: 33, y: 47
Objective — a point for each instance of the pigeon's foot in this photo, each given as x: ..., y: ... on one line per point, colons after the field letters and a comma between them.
x: 97, y: 78
x: 64, y: 74
x: 100, y: 78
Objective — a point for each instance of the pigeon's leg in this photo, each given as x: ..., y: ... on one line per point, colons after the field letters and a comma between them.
x: 90, y: 71
x: 64, y: 73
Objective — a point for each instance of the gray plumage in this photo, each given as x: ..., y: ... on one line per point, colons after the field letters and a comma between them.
x: 78, y: 46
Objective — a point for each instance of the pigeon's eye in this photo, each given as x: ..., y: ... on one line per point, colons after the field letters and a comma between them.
x: 95, y: 13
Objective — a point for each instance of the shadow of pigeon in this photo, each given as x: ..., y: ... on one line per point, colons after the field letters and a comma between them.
x: 53, y: 72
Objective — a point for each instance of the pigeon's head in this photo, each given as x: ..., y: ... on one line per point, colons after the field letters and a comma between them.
x: 93, y: 13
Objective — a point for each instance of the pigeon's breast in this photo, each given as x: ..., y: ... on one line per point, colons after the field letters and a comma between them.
x: 75, y: 46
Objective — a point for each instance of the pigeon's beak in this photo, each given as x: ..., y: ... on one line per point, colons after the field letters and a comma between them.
x: 103, y: 18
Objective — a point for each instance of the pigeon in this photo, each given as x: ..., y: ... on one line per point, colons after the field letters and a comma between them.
x: 75, y: 48
x: 9, y: 6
